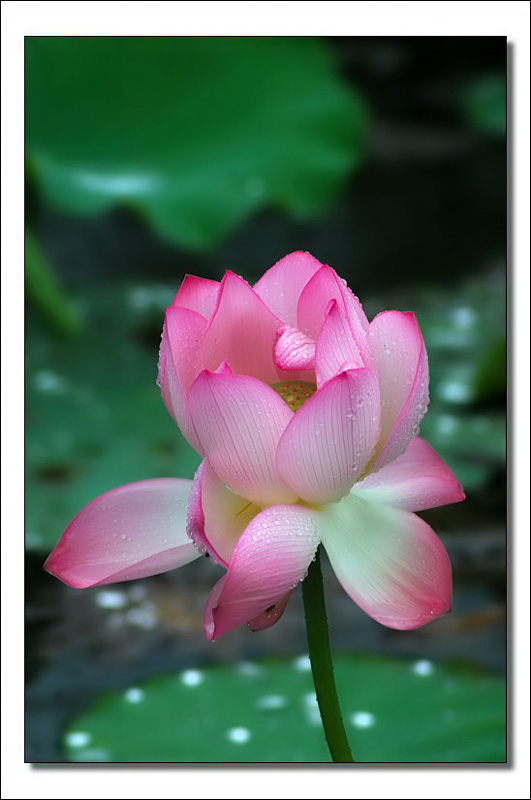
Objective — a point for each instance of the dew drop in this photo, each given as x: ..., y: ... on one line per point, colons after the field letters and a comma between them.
x: 302, y: 664
x: 78, y: 738
x: 311, y: 709
x: 144, y: 617
x: 423, y: 667
x: 110, y: 599
x: 134, y: 695
x: 238, y: 735
x: 362, y: 719
x: 192, y: 677
x: 271, y: 702
x: 249, y: 670
x: 90, y: 754
x: 48, y: 381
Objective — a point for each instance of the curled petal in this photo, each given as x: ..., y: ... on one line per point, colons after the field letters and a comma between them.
x: 242, y: 331
x: 271, y: 615
x: 239, y: 421
x: 270, y: 558
x: 281, y: 286
x: 330, y: 440
x: 335, y: 346
x: 401, y: 362
x: 390, y: 562
x: 198, y: 294
x: 181, y: 336
x: 131, y: 532
x: 294, y: 350
x: 314, y: 302
x: 417, y: 480
x: 216, y: 516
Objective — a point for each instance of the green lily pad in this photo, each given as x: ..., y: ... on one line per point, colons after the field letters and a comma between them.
x: 194, y: 132
x: 395, y: 711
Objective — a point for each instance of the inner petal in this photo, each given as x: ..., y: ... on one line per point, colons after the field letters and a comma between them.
x: 294, y: 350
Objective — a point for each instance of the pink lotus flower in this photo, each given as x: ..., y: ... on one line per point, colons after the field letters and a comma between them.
x: 307, y: 417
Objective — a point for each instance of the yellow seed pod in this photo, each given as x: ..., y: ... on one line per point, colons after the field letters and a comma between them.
x: 294, y: 393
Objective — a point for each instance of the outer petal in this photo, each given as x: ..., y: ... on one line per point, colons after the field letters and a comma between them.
x: 271, y: 557
x: 401, y: 362
x: 330, y: 440
x: 239, y: 421
x: 243, y: 331
x: 182, y: 333
x: 216, y: 516
x: 390, y: 562
x: 294, y: 350
x: 281, y: 286
x: 198, y: 294
x: 271, y: 615
x: 335, y: 346
x: 418, y: 479
x: 131, y: 532
x: 314, y: 302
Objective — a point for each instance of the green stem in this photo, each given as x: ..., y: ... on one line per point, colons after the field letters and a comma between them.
x: 321, y: 661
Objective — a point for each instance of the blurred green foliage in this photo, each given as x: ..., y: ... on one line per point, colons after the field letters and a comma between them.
x: 490, y: 379
x: 95, y: 417
x: 484, y: 103
x: 464, y: 327
x: 193, y: 132
x: 266, y: 712
x: 464, y: 330
x: 44, y: 290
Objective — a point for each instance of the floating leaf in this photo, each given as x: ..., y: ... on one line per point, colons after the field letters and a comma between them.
x: 195, y: 132
x: 395, y: 711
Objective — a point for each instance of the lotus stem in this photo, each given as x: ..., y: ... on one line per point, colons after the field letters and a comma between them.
x: 321, y: 661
